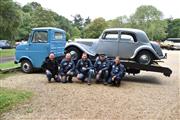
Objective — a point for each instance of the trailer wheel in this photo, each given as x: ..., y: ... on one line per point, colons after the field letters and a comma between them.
x: 75, y: 53
x: 144, y: 57
x: 26, y: 66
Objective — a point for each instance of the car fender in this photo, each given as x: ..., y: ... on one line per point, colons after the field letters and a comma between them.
x: 144, y: 47
x: 88, y: 49
x: 25, y: 57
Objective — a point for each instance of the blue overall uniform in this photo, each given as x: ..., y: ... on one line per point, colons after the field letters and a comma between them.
x: 84, y: 68
x: 67, y: 69
x: 102, y: 66
x: 118, y: 71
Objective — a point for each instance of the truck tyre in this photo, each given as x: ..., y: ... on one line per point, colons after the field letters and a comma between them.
x: 144, y: 57
x: 75, y: 53
x: 26, y: 66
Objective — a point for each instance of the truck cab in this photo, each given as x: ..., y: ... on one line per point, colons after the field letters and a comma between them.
x: 42, y: 41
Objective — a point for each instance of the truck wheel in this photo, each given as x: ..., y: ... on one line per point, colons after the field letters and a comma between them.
x: 26, y: 66
x: 75, y: 53
x: 144, y: 57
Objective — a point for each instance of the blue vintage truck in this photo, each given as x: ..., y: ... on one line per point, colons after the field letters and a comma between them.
x: 41, y: 42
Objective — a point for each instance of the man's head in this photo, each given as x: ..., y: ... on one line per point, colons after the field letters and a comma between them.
x: 68, y: 56
x: 84, y: 56
x: 51, y: 56
x: 102, y: 57
x: 117, y: 60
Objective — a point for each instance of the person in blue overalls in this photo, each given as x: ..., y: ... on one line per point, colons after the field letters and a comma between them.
x: 67, y: 69
x: 84, y: 69
x: 117, y: 72
x: 101, y: 68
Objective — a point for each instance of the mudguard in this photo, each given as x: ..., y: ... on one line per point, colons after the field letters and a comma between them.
x: 145, y: 47
x: 85, y: 48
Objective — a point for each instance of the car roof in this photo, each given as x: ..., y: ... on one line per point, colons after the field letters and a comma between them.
x: 48, y: 28
x: 125, y: 29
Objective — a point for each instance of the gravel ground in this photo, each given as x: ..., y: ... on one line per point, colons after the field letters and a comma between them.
x: 148, y: 96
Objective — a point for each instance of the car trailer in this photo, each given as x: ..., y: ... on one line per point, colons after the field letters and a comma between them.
x: 135, y: 68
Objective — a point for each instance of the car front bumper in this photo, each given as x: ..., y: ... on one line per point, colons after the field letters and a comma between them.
x: 164, y: 56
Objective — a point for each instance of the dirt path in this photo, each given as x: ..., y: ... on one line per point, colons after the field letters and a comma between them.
x: 148, y: 96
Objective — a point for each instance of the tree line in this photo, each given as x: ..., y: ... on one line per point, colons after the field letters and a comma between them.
x: 16, y: 22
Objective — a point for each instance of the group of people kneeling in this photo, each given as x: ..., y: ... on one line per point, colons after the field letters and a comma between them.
x: 103, y: 70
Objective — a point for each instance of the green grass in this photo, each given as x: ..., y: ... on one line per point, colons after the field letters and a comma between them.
x: 7, y: 74
x: 8, y: 65
x: 7, y: 52
x: 10, y: 98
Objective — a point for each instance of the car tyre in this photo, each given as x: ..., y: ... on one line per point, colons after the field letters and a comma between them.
x: 26, y: 66
x: 75, y: 53
x: 144, y: 57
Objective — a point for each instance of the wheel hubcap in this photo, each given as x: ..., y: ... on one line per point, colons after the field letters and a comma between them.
x: 74, y: 55
x: 144, y: 59
x: 26, y: 67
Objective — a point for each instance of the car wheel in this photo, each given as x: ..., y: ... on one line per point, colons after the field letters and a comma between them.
x: 26, y: 66
x: 144, y: 57
x: 75, y: 53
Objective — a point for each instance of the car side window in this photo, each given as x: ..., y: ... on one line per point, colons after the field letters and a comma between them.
x: 58, y: 36
x: 40, y: 37
x: 110, y: 36
x: 128, y: 37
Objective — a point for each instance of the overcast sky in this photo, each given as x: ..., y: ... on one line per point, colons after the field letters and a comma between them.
x: 107, y: 9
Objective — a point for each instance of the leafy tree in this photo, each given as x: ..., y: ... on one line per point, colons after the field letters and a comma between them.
x: 173, y: 28
x: 95, y: 28
x: 43, y: 18
x: 87, y: 21
x: 122, y: 21
x: 25, y: 26
x: 149, y: 19
x: 10, y: 19
x: 64, y: 24
x: 76, y: 33
x: 27, y: 8
x: 78, y: 21
x: 147, y: 13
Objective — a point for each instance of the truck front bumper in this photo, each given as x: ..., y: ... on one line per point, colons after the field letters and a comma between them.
x: 15, y: 62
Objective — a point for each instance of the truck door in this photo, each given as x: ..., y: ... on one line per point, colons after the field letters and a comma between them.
x: 38, y: 48
x: 108, y: 44
x: 58, y: 42
x: 127, y: 44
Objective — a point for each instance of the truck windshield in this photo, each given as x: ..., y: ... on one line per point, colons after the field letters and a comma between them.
x: 40, y: 37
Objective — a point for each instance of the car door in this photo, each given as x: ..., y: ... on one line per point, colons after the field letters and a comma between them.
x: 38, y: 47
x: 127, y: 44
x: 57, y: 43
x: 108, y: 44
